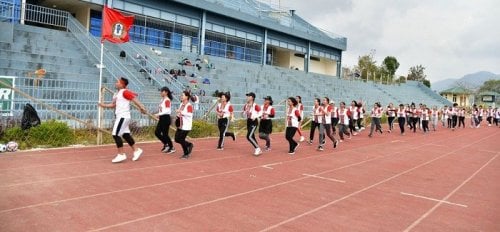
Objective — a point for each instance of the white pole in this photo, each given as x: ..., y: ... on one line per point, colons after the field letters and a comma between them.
x: 99, y: 109
x: 23, y: 11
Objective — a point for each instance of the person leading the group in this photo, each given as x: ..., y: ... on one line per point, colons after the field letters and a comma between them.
x: 401, y: 113
x: 121, y: 104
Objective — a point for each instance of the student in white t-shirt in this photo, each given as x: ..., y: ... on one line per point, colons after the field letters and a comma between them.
x: 121, y: 104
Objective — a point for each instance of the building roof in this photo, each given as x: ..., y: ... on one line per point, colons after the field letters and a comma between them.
x: 489, y: 93
x: 262, y: 14
x: 456, y: 90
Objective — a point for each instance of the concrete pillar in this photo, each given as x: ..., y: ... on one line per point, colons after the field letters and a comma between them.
x: 307, y: 57
x: 202, y: 33
x: 264, y: 48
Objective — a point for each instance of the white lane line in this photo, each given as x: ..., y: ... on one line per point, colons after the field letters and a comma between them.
x: 323, y: 178
x: 268, y: 166
x: 433, y: 199
x: 368, y: 187
x: 426, y: 214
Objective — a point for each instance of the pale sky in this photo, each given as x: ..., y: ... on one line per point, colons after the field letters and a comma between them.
x: 450, y: 38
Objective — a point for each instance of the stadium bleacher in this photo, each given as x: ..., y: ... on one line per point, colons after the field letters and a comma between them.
x: 66, y: 59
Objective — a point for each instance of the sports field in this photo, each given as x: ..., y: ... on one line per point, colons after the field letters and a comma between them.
x: 442, y: 181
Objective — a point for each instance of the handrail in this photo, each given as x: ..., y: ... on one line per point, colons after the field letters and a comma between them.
x: 156, y: 66
x: 113, y: 65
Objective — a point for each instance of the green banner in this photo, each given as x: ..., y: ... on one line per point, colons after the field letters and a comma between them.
x: 6, y: 96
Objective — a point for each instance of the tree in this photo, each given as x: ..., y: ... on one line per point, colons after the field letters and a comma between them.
x: 390, y: 64
x: 366, y: 66
x: 416, y: 73
x: 402, y: 79
x: 490, y: 85
x: 426, y: 83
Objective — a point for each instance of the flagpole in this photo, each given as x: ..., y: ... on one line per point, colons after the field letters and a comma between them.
x: 99, y: 109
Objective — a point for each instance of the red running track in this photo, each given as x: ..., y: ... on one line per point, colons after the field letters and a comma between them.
x: 442, y: 181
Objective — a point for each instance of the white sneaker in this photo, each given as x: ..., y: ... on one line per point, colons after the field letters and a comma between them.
x: 302, y: 139
x: 137, y: 154
x: 257, y: 152
x: 119, y: 158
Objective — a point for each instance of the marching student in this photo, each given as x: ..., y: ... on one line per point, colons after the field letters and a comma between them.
x: 497, y: 116
x: 480, y: 115
x: 401, y: 113
x: 474, y: 121
x: 327, y: 123
x: 449, y: 116
x: 434, y: 117
x: 343, y: 121
x: 292, y: 123
x: 361, y: 113
x: 121, y: 104
x: 391, y: 115
x: 414, y: 118
x: 252, y: 112
x: 454, y: 115
x: 376, y: 114
x: 334, y: 117
x: 184, y: 123
x: 354, y: 116
x: 489, y: 115
x: 164, y: 120
x: 461, y: 117
x: 225, y: 114
x: 316, y: 122
x: 266, y: 124
x: 444, y: 115
x: 425, y: 118
x: 300, y: 107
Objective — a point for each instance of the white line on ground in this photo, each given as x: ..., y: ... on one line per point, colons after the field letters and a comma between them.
x: 370, y: 187
x: 273, y: 164
x: 323, y: 178
x: 433, y: 199
x: 426, y: 214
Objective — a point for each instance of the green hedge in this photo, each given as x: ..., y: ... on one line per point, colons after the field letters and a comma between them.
x: 48, y: 134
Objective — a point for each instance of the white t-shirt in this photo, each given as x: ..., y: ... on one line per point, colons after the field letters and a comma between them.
x: 122, y: 102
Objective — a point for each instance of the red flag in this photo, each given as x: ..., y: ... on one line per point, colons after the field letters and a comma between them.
x: 115, y: 26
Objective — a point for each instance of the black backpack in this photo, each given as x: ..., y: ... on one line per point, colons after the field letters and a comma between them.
x: 30, y: 117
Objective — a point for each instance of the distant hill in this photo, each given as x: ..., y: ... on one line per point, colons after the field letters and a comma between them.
x: 473, y: 79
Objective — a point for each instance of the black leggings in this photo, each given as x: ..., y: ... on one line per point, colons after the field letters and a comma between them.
x: 314, y: 125
x: 414, y: 122
x: 251, y: 127
x: 223, y: 124
x: 390, y: 120
x: 289, y: 133
x: 180, y: 138
x: 454, y: 120
x: 162, y: 129
x: 461, y: 121
x: 328, y: 129
x: 425, y: 125
x: 401, y: 121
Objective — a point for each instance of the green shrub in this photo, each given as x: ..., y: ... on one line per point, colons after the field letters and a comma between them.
x: 51, y: 134
x: 48, y: 134
x: 203, y: 129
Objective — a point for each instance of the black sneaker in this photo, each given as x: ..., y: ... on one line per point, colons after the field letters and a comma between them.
x: 234, y: 137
